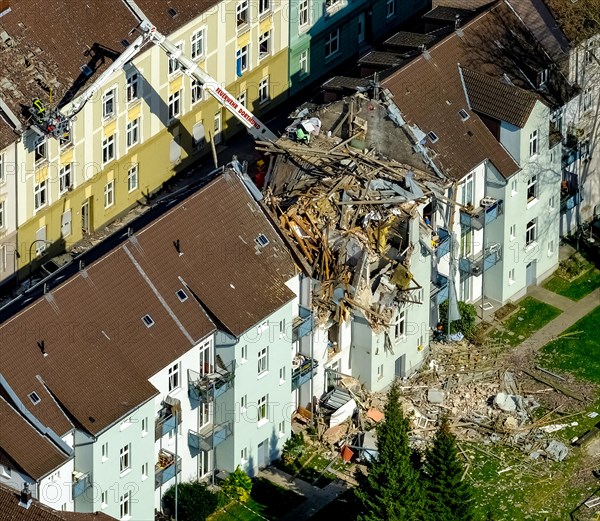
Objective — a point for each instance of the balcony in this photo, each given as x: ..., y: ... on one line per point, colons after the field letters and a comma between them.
x: 303, y: 370
x: 210, y: 385
x: 169, y: 417
x: 303, y: 324
x: 439, y: 289
x: 81, y: 482
x: 487, y: 212
x: 164, y: 471
x: 476, y: 265
x: 442, y: 243
x: 210, y: 437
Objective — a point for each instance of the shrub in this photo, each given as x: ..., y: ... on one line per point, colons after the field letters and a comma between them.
x: 195, y: 502
x: 571, y: 267
x: 466, y: 324
x: 238, y: 485
x: 293, y: 448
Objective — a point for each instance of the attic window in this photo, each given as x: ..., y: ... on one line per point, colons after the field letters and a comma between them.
x: 262, y: 240
x: 125, y: 42
x: 182, y: 295
x: 86, y: 70
x: 542, y: 77
x: 463, y: 114
x: 147, y: 319
x: 432, y: 136
x: 172, y: 12
x: 35, y: 399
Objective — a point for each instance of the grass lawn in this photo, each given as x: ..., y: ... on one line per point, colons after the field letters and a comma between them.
x: 578, y: 354
x: 577, y: 288
x: 309, y: 467
x: 267, y: 500
x: 532, y: 316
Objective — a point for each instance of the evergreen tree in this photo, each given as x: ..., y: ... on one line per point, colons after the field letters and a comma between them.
x: 447, y: 497
x: 392, y: 491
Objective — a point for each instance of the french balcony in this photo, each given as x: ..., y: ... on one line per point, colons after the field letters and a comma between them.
x: 210, y: 437
x: 302, y: 325
x: 81, y: 482
x: 439, y: 289
x: 488, y: 211
x: 208, y: 386
x: 165, y: 469
x: 481, y: 262
x: 303, y: 370
x: 168, y: 418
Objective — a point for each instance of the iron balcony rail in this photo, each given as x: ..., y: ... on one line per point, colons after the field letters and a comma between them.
x: 481, y: 262
x: 81, y: 482
x: 210, y: 385
x: 210, y: 436
x: 166, y: 467
x: 303, y: 324
x: 304, y: 372
x: 481, y: 215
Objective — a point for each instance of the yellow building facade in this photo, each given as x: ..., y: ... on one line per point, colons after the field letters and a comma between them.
x: 146, y: 124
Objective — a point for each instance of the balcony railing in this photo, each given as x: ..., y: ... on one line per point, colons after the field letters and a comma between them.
x: 210, y: 385
x: 439, y: 289
x: 302, y: 325
x: 305, y: 368
x: 443, y: 243
x: 480, y: 262
x: 168, y: 418
x: 210, y: 437
x: 81, y: 482
x: 166, y: 468
x: 488, y: 212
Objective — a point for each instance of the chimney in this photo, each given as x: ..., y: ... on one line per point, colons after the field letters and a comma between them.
x: 25, y: 497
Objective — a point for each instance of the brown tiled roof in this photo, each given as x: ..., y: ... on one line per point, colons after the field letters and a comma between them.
x: 345, y: 82
x: 92, y: 327
x: 34, y: 453
x: 388, y: 59
x: 408, y: 39
x: 498, y: 99
x: 217, y: 228
x: 430, y: 94
x: 11, y: 511
x: 448, y: 14
x: 462, y: 4
x: 157, y: 12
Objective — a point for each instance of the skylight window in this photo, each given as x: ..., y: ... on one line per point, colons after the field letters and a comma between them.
x: 147, y: 319
x: 182, y: 295
x: 463, y: 114
x: 262, y: 240
x: 172, y: 12
x: 432, y: 136
x: 35, y: 399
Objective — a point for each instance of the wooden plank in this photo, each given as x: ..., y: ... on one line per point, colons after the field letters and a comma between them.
x: 567, y: 392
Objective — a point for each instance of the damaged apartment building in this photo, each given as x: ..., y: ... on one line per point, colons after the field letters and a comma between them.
x: 438, y: 177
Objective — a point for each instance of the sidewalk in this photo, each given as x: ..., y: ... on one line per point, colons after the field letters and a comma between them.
x: 316, y: 498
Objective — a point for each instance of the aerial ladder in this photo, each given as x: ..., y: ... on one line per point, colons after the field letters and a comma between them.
x: 57, y: 124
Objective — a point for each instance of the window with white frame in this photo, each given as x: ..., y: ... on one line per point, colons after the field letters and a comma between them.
x: 133, y: 132
x: 174, y: 377
x: 241, y: 60
x: 552, y: 202
x: 244, y: 354
x: 1, y: 168
x: 303, y: 62
x: 125, y: 506
x: 132, y: 178
x: 2, y: 223
x: 282, y: 374
x: 263, y: 6
x: 511, y: 276
x: 41, y: 243
x: 196, y: 91
x: 332, y: 44
x: 125, y: 458
x: 198, y: 42
x: 40, y: 195
x: 513, y: 231
x: 144, y: 471
x: 588, y: 98
x: 66, y: 139
x: 331, y: 3
x: 514, y: 184
x: 380, y: 372
x: 109, y: 194
x: 174, y: 105
x: 64, y: 178
x: 263, y: 360
x: 263, y: 90
x: 144, y: 426
x: 104, y: 499
x: 244, y: 455
x: 108, y: 149
x: 281, y: 429
x: 242, y: 13
x: 104, y: 451
x: 264, y: 45
x: 263, y: 408
x: 243, y: 403
x: 243, y: 98
x: 132, y: 87
x: 530, y: 232
x: 533, y: 144
x: 532, y: 188
x: 174, y: 65
x: 41, y: 150
x: 3, y: 257
x: 467, y: 190
x: 551, y: 247
x: 109, y: 103
x: 303, y: 13
x: 390, y: 8
x: 400, y: 325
